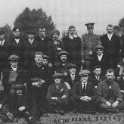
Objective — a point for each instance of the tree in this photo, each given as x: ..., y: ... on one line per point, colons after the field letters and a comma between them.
x: 32, y: 19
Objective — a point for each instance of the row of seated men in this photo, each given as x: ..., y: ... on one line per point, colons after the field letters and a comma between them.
x: 58, y: 88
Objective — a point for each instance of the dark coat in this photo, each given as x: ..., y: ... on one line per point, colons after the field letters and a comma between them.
x: 54, y: 92
x: 95, y: 62
x: 73, y: 46
x: 107, y: 92
x: 111, y: 49
x: 43, y: 44
x: 77, y: 90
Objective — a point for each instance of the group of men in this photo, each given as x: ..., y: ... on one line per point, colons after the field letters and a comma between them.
x: 41, y: 74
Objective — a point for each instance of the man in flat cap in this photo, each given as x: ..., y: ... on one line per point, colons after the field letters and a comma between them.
x: 72, y: 44
x: 58, y: 94
x: 83, y: 93
x: 99, y: 58
x: 89, y: 42
x: 15, y: 81
x: 111, y: 44
x: 54, y: 45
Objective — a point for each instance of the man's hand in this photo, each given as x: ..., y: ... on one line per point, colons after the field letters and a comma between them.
x: 108, y: 103
x: 54, y: 98
x: 63, y: 97
x: 115, y: 104
x: 85, y: 98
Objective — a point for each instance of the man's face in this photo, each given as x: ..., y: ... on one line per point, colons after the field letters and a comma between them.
x: 57, y: 81
x: 110, y: 75
x: 42, y: 32
x: 72, y: 70
x: 97, y: 71
x: 30, y: 36
x: 38, y: 58
x: 109, y: 29
x: 55, y: 36
x: 2, y: 36
x: 45, y: 61
x: 13, y: 64
x: 16, y: 33
x: 72, y: 31
x: 99, y: 51
x: 63, y: 58
x: 84, y: 78
x: 90, y: 30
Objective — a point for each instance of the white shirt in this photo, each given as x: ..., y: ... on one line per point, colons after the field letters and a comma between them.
x: 17, y: 40
x: 109, y: 36
x: 2, y: 42
x: 72, y: 76
x: 84, y: 84
x: 100, y: 57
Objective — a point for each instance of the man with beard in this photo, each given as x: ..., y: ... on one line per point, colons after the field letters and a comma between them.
x: 62, y: 64
x: 72, y: 44
x: 108, y: 93
x: 58, y: 94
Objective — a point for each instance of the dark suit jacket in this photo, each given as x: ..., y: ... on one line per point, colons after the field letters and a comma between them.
x: 95, y: 62
x: 107, y: 92
x: 111, y: 47
x: 77, y: 90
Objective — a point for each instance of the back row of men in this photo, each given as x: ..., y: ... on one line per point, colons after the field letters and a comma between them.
x: 90, y: 50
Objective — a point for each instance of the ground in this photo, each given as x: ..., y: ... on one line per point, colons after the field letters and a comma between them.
x: 77, y: 118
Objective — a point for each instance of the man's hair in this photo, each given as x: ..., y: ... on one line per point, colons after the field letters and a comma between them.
x: 71, y: 26
x: 110, y: 25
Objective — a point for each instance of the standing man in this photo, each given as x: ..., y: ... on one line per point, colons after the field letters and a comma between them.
x: 89, y: 42
x: 111, y: 44
x: 72, y: 44
x: 42, y: 40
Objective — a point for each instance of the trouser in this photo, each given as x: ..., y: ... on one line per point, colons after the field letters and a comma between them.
x: 16, y: 98
x: 58, y: 105
x: 107, y: 108
x: 85, y: 107
x: 38, y: 100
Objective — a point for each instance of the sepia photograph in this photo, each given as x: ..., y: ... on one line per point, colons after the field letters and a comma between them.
x: 61, y: 62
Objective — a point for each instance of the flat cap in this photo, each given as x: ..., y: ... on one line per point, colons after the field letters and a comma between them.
x: 55, y: 32
x: 13, y: 57
x: 99, y: 46
x: 58, y: 75
x: 38, y: 53
x: 63, y: 52
x: 84, y: 72
x: 71, y: 66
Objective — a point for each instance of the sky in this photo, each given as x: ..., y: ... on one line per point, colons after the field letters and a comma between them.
x: 68, y: 12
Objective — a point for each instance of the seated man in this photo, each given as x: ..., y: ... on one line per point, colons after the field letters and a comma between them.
x: 108, y: 93
x: 83, y: 93
x: 72, y: 74
x: 96, y: 76
x: 58, y: 94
